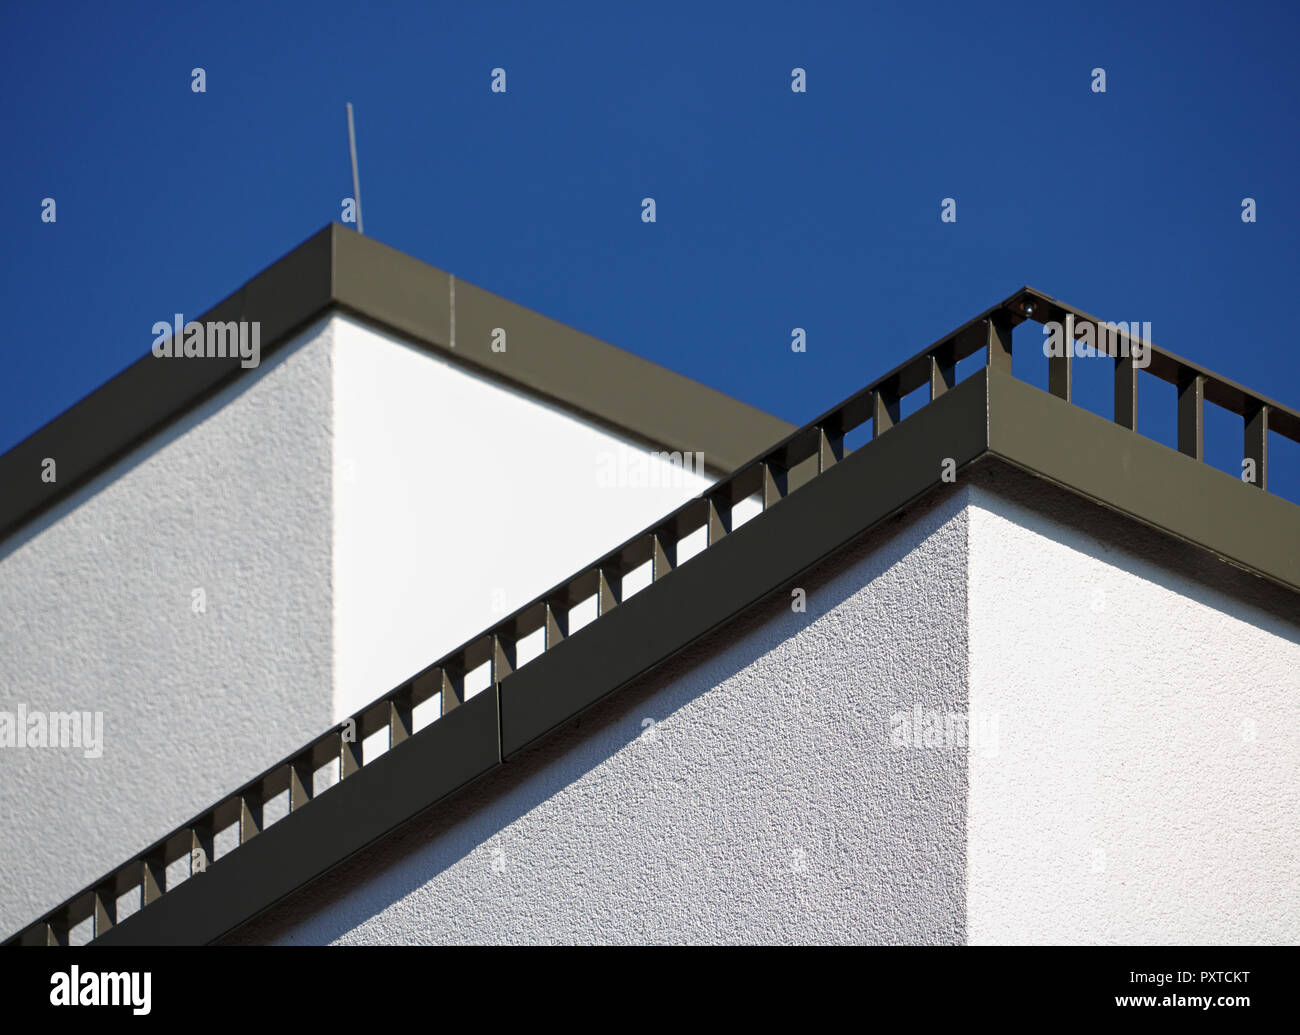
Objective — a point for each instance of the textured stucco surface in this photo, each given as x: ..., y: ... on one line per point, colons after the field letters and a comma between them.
x: 1146, y: 786
x: 96, y: 603
x: 457, y: 500
x: 750, y: 792
x: 351, y: 509
x: 1131, y: 775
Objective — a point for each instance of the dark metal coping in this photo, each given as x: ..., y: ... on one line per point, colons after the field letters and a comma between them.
x: 841, y: 494
x: 337, y: 267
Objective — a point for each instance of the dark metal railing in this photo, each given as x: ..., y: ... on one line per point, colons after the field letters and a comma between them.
x: 784, y: 468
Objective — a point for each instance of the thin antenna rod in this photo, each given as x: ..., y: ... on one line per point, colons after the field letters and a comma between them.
x: 356, y: 181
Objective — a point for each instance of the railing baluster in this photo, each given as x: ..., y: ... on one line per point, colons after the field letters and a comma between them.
x: 1191, y: 414
x: 557, y: 625
x: 1126, y: 392
x: 503, y: 656
x: 200, y: 846
x: 301, y: 781
x: 453, y: 687
x: 884, y: 411
x: 774, y: 485
x: 607, y: 596
x: 719, y: 520
x: 1060, y: 373
x: 400, y: 717
x: 998, y: 335
x: 351, y: 752
x: 52, y: 931
x: 153, y: 878
x: 250, y: 815
x: 663, y: 557
x: 1256, y: 445
x: 103, y: 908
x: 943, y: 372
x: 830, y: 448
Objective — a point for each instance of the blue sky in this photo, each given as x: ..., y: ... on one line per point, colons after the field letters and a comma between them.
x: 774, y: 209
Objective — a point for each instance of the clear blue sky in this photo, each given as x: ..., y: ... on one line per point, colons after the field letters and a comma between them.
x: 775, y: 209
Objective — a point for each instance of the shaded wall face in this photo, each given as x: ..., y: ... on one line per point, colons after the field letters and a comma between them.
x: 185, y: 597
x: 1144, y: 789
x: 753, y: 791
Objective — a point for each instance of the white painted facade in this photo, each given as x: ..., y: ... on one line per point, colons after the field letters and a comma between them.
x: 348, y: 510
x: 1132, y: 777
x: 1146, y: 789
x: 457, y: 501
x: 1130, y: 773
x: 746, y: 793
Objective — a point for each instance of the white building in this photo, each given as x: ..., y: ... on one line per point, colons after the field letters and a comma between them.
x: 1005, y: 672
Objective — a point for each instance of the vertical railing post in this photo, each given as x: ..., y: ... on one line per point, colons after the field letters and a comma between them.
x: 453, y: 688
x: 200, y: 846
x: 943, y: 371
x: 1256, y: 445
x: 53, y: 931
x: 153, y: 878
x: 830, y: 447
x: 1191, y: 414
x: 607, y: 592
x: 351, y: 752
x: 884, y: 411
x: 663, y: 556
x: 302, y: 781
x: 557, y: 624
x: 998, y: 336
x: 1126, y: 392
x: 503, y: 656
x: 104, y: 908
x: 401, y: 722
x: 250, y: 815
x: 1060, y: 372
x: 718, y: 520
x: 774, y: 485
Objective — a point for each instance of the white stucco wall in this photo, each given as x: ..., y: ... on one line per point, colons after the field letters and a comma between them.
x: 747, y: 793
x: 352, y: 509
x: 1146, y: 787
x: 95, y: 614
x: 1129, y: 773
x: 458, y: 500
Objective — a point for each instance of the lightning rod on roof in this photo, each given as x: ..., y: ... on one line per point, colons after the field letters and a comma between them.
x: 356, y: 182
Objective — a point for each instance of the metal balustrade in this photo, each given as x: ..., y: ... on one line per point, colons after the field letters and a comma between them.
x: 783, y: 469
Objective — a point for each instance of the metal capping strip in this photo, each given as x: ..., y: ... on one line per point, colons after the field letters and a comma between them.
x: 339, y: 270
x: 791, y: 464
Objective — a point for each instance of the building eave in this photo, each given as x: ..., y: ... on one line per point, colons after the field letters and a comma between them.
x: 338, y: 269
